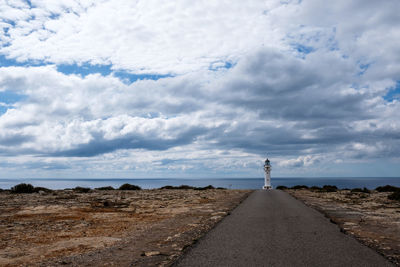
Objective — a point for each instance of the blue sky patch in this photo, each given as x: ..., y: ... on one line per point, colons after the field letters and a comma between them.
x: 214, y: 66
x: 5, y: 62
x: 104, y: 70
x: 394, y: 93
x: 363, y: 69
x: 9, y: 97
x: 84, y: 69
x: 303, y: 49
x: 3, y: 110
x: 131, y: 77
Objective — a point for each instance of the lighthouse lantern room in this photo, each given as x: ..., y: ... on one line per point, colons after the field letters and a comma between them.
x: 267, y: 170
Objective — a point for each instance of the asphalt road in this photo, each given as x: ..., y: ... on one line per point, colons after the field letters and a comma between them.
x: 271, y: 228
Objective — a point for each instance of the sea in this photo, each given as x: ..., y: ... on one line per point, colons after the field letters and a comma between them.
x: 229, y: 183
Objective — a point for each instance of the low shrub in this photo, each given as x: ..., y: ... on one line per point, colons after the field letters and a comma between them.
x: 105, y: 188
x: 81, y: 189
x: 221, y: 188
x: 129, y: 187
x: 22, y: 188
x: 387, y: 188
x: 395, y: 195
x: 205, y: 187
x: 315, y: 188
x: 184, y: 187
x: 329, y: 188
x: 281, y: 187
x: 177, y: 187
x: 359, y: 190
x: 299, y: 187
x: 168, y: 187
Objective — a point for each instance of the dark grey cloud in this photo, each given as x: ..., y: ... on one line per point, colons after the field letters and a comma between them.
x: 100, y: 145
x: 15, y: 140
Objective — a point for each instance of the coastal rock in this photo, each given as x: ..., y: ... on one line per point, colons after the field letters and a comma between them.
x: 151, y: 253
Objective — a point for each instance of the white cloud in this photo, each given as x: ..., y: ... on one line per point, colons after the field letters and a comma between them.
x: 301, y: 161
x: 141, y: 36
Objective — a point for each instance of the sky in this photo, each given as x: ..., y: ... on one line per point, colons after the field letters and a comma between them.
x: 181, y: 88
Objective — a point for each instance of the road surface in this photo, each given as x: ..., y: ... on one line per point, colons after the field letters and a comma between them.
x: 271, y: 228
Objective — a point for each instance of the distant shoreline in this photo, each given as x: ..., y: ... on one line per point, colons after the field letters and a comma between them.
x: 229, y: 183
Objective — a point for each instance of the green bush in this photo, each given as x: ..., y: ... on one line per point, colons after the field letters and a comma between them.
x: 299, y: 187
x: 22, y: 188
x: 329, y: 188
x: 184, y: 187
x: 168, y: 187
x: 387, y: 188
x: 395, y: 195
x: 281, y: 187
x: 315, y: 188
x: 105, y: 188
x: 177, y: 187
x: 359, y: 190
x: 205, y: 187
x: 129, y: 187
x: 81, y: 189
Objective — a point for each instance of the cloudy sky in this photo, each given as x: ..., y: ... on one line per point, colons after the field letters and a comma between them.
x: 147, y: 88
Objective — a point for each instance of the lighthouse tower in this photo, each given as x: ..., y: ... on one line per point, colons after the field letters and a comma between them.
x: 267, y: 169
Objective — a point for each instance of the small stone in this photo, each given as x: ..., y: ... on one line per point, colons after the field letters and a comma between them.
x: 152, y: 253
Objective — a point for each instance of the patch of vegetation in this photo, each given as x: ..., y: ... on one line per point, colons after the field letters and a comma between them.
x: 387, y: 188
x: 395, y: 195
x: 177, y: 187
x: 185, y: 187
x: 329, y: 188
x: 315, y: 188
x: 168, y: 187
x: 105, y: 188
x: 299, y: 187
x: 81, y: 189
x: 281, y: 187
x: 359, y: 190
x: 221, y: 188
x: 22, y: 188
x: 205, y: 187
x: 129, y: 187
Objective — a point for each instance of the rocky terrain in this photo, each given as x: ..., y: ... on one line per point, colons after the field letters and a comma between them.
x: 371, y: 218
x: 112, y: 227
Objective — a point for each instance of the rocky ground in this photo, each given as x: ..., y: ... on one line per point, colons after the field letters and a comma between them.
x: 113, y: 228
x: 371, y: 218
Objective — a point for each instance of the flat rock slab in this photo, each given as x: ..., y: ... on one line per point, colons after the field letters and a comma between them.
x: 271, y: 228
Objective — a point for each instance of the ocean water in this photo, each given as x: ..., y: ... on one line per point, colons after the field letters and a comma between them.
x: 231, y: 183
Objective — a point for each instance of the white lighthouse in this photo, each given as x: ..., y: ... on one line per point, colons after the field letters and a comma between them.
x: 267, y: 170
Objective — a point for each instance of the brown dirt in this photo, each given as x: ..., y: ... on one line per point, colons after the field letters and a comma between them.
x: 113, y: 228
x: 372, y: 218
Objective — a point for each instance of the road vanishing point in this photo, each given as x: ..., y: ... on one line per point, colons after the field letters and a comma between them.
x: 271, y: 228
